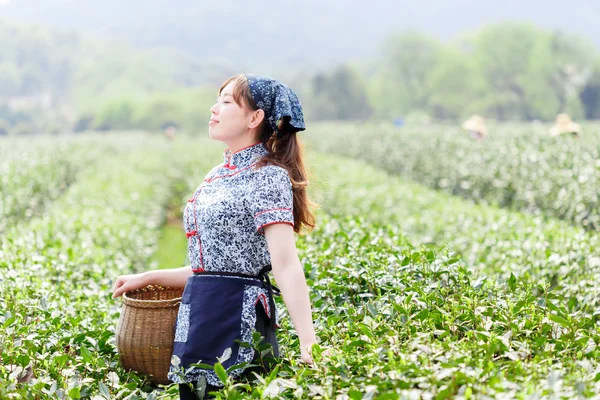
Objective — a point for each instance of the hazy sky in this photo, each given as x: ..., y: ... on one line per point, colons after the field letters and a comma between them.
x: 285, y: 32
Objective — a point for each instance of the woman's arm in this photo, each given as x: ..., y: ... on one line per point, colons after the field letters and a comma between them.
x: 176, y: 277
x: 289, y: 276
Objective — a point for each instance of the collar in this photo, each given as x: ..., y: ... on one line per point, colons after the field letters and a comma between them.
x: 244, y: 157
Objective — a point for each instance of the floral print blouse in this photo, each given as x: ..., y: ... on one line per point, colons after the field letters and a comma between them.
x: 225, y: 218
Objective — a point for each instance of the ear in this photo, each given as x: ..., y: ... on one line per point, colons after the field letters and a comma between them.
x: 257, y: 118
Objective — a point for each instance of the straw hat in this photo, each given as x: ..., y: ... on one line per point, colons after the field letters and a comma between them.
x: 475, y: 124
x: 564, y: 124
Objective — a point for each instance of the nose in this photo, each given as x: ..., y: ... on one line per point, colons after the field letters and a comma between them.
x: 214, y: 108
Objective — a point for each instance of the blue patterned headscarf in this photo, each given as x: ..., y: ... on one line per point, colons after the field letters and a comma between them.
x: 277, y: 101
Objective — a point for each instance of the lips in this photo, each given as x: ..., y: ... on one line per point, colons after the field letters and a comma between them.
x: 213, y: 121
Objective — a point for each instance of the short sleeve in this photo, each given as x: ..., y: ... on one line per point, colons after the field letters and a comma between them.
x: 272, y: 199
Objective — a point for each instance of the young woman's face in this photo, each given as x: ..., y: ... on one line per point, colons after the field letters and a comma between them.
x: 228, y: 120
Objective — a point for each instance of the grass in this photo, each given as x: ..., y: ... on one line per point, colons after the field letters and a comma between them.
x: 171, y: 250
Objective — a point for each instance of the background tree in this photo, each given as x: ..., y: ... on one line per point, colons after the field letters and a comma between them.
x: 339, y: 95
x: 401, y: 83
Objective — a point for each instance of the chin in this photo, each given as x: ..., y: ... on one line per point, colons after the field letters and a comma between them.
x: 216, y: 137
x: 213, y: 135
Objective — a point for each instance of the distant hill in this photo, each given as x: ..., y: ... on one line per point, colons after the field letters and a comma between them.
x: 36, y: 58
x: 52, y: 75
x: 269, y: 35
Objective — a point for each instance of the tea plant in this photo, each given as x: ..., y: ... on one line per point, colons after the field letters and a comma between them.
x: 35, y: 172
x: 517, y: 166
x: 418, y: 294
x: 494, y: 242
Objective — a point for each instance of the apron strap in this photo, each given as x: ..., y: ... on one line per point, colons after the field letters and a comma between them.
x: 264, y: 275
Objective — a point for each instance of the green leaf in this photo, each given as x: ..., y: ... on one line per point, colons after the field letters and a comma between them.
x: 104, y: 390
x: 200, y: 387
x: 512, y: 282
x: 220, y: 371
x: 75, y: 393
x: 559, y: 320
x: 7, y: 315
x: 364, y: 240
x: 202, y: 365
x: 551, y: 306
x: 355, y: 395
x: 265, y: 352
x: 226, y: 355
x: 256, y: 338
x: 242, y: 343
x: 8, y: 322
x: 113, y: 378
x: 86, y: 354
x: 175, y: 361
x: 274, y: 372
x: 244, y: 364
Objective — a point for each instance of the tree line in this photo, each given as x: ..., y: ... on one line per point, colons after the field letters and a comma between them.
x: 56, y: 81
x: 507, y: 71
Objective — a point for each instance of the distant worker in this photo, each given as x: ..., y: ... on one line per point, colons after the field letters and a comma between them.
x: 476, y: 127
x: 398, y: 122
x: 169, y: 130
x: 564, y: 124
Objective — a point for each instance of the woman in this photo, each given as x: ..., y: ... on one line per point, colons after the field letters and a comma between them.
x: 240, y: 224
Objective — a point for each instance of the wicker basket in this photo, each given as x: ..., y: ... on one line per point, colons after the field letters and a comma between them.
x: 146, y: 330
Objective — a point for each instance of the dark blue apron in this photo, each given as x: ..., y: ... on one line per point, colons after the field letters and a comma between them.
x: 216, y: 309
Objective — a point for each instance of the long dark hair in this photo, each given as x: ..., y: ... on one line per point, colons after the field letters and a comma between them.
x: 285, y: 150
